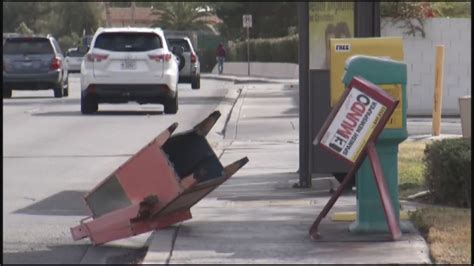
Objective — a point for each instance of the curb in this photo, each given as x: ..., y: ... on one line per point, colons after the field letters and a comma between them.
x: 429, y: 137
x: 162, y: 240
x: 225, y: 107
x: 244, y: 80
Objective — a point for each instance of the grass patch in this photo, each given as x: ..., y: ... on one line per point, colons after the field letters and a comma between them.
x: 447, y: 232
x: 410, y: 168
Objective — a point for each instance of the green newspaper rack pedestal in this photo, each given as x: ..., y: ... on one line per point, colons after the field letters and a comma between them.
x: 390, y: 75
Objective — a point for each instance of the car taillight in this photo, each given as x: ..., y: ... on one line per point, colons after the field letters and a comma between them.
x: 90, y: 88
x: 193, y: 58
x: 55, y: 63
x: 96, y: 57
x: 165, y: 88
x: 160, y: 57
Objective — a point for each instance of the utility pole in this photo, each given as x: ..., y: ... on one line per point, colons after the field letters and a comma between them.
x: 107, y: 14
x: 247, y: 23
x: 132, y: 10
x: 248, y: 52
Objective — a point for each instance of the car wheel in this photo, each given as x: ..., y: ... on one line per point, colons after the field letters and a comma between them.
x: 196, y: 83
x: 89, y: 104
x: 7, y: 92
x: 66, y: 88
x: 171, y: 105
x: 58, y: 91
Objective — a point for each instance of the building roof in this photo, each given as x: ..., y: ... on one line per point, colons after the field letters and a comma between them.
x: 121, y: 15
x: 143, y: 16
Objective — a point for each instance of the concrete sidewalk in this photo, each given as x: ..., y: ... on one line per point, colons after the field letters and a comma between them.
x: 257, y: 216
x: 248, y: 79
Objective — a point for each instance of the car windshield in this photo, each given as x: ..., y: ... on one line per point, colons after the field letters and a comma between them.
x: 180, y: 42
x: 27, y: 46
x: 128, y: 41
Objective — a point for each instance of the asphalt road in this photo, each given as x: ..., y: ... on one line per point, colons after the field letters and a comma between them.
x: 424, y: 126
x: 52, y: 155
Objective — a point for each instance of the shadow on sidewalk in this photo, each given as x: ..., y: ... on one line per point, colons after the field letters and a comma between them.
x: 282, y: 237
x: 74, y: 254
x: 64, y: 203
x: 60, y: 254
x: 265, y: 187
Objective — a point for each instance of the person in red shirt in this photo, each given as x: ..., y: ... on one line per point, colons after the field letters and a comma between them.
x: 220, y: 56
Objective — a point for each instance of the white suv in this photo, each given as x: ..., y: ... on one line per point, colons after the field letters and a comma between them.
x: 189, y: 66
x: 129, y: 64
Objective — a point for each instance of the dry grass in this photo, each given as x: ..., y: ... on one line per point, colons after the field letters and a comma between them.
x: 447, y: 231
x: 410, y: 168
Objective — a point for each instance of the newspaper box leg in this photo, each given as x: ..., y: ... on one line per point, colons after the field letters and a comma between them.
x: 383, y: 192
x: 313, y: 231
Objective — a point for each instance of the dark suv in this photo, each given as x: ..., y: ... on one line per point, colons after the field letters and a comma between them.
x: 33, y: 63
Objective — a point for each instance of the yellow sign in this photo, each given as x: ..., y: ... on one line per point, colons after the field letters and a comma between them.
x: 386, y: 47
x: 328, y: 20
x: 395, y: 90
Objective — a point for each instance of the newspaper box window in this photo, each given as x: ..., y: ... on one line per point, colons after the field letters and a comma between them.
x: 349, y: 133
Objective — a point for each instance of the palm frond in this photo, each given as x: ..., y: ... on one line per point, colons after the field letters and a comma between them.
x: 181, y: 15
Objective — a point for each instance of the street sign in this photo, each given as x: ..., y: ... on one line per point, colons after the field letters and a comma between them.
x: 247, y: 21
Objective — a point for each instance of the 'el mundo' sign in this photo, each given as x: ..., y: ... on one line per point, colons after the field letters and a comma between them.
x: 360, y: 115
x: 353, y: 124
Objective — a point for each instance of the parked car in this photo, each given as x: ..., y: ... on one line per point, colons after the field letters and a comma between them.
x: 74, y: 58
x: 33, y: 63
x: 129, y: 64
x: 189, y: 68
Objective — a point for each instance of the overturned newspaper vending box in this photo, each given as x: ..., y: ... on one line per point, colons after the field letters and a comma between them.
x: 156, y: 187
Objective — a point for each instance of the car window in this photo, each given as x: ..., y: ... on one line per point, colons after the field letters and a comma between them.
x: 128, y: 41
x: 56, y: 45
x: 27, y: 46
x: 180, y: 42
x: 75, y: 53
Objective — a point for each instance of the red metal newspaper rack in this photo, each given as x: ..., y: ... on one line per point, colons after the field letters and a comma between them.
x: 156, y: 187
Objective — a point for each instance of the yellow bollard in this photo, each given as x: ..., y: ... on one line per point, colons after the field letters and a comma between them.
x: 438, y: 91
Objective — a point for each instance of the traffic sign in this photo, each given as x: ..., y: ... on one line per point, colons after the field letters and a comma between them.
x: 247, y: 21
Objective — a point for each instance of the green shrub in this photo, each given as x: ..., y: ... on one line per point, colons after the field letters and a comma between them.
x: 282, y: 50
x: 448, y: 171
x: 69, y: 41
x: 24, y: 29
x: 207, y: 60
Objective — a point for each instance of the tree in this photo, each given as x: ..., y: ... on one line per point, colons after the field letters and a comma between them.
x: 120, y: 4
x: 68, y: 41
x: 270, y: 19
x: 423, y: 10
x: 453, y: 9
x: 181, y: 15
x: 15, y: 13
x: 23, y: 29
x: 412, y: 15
x: 77, y: 17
